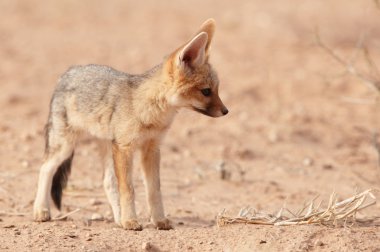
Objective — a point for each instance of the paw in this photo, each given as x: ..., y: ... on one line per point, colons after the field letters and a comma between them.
x: 163, y: 224
x: 41, y: 215
x: 131, y: 225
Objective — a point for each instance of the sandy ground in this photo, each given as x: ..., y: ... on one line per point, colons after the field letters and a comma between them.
x: 295, y: 126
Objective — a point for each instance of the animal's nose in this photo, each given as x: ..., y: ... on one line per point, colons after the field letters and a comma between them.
x: 225, y: 111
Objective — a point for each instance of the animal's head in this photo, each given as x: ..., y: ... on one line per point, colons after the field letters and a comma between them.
x: 194, y: 82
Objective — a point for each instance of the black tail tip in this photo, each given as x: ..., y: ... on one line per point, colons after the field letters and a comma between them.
x: 60, y: 181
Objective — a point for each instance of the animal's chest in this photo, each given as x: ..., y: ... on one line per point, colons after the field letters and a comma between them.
x: 152, y: 132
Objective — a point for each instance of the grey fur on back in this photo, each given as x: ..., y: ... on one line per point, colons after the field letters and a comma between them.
x: 94, y: 92
x: 94, y: 84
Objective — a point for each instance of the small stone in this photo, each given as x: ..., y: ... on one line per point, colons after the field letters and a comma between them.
x: 95, y: 202
x: 97, y: 217
x: 25, y: 164
x: 328, y: 167
x: 307, y: 162
x: 181, y: 223
x: 318, y: 243
x: 146, y: 246
x: 18, y: 232
x: 74, y: 226
x: 109, y: 214
x: 273, y: 136
x: 262, y: 242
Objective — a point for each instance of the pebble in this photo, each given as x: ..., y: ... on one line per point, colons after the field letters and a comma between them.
x: 146, y: 246
x: 97, y: 217
x: 25, y: 164
x: 88, y: 237
x: 95, y: 202
x: 307, y: 162
x: 318, y: 243
x: 273, y: 136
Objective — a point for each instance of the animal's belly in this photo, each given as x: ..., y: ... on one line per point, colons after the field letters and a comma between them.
x: 97, y: 125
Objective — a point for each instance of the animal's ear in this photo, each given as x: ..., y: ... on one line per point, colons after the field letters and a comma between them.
x: 193, y: 53
x: 208, y: 27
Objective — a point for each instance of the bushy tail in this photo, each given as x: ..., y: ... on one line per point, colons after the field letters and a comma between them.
x: 60, y: 181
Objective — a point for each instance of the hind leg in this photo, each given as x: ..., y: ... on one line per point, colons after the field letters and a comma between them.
x: 110, y: 186
x: 59, y: 148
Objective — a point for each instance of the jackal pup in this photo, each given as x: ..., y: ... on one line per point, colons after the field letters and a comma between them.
x: 130, y: 112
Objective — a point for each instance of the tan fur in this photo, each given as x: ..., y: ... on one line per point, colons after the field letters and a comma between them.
x: 132, y: 113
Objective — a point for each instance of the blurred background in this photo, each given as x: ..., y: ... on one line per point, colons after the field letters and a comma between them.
x: 299, y: 124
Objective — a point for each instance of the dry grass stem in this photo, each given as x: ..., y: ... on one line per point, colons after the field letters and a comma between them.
x: 372, y: 83
x: 335, y: 212
x: 64, y: 216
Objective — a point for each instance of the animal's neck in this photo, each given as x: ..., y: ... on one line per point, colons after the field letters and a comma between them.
x: 151, y: 102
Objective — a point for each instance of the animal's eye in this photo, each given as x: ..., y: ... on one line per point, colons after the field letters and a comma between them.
x: 206, y: 91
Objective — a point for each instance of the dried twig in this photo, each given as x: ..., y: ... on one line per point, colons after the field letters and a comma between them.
x: 343, y: 211
x: 371, y: 83
x: 372, y: 80
x: 64, y: 216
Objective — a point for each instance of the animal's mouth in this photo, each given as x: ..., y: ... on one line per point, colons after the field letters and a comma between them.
x: 202, y: 111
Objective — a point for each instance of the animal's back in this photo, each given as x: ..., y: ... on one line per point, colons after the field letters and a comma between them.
x: 91, y: 84
x: 89, y: 95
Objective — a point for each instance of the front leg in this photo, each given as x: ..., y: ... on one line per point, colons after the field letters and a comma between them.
x: 122, y: 157
x: 150, y: 154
